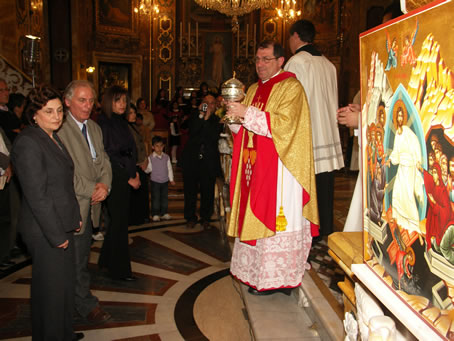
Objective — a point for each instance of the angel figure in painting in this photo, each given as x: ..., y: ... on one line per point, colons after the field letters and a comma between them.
x: 408, y: 182
x: 408, y: 55
x: 391, y: 47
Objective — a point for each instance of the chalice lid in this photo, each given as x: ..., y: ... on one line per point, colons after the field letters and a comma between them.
x: 233, y: 89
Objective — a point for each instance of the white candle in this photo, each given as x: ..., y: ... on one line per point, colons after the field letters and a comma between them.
x: 255, y: 33
x: 189, y: 39
x: 196, y: 38
x: 247, y: 38
x: 181, y: 39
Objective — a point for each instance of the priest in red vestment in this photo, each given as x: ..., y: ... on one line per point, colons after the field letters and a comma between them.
x: 273, y: 195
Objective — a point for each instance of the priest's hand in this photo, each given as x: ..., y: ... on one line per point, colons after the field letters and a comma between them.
x: 235, y: 109
x: 349, y: 115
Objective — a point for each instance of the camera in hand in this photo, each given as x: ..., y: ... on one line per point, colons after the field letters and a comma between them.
x: 204, y: 107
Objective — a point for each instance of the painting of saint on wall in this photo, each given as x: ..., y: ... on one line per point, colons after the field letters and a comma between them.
x: 217, y: 58
x: 113, y: 74
x: 407, y: 93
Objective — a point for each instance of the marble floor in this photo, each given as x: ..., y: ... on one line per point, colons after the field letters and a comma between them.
x: 183, y: 292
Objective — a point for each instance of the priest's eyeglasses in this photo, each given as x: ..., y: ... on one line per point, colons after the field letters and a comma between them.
x: 265, y: 60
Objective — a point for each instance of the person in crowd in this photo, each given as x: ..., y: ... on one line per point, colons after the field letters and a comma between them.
x: 161, y: 112
x: 175, y: 137
x: 16, y: 104
x: 272, y: 158
x: 96, y: 111
x: 11, y: 125
x: 318, y: 77
x: 162, y: 98
x: 144, y: 132
x: 9, y: 122
x: 49, y: 215
x: 121, y: 149
x: 92, y: 180
x: 139, y: 208
x: 193, y: 107
x: 203, y: 91
x: 201, y: 163
x: 161, y: 174
x: 148, y: 118
x: 5, y: 147
x: 182, y: 105
x: 6, y: 232
x: 175, y: 110
x: 179, y: 93
x: 194, y: 94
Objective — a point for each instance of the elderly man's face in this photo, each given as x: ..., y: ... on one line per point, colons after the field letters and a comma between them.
x: 4, y: 93
x: 266, y: 64
x: 81, y: 103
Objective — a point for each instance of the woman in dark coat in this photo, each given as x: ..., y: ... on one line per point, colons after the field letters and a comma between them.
x: 121, y: 148
x: 49, y: 215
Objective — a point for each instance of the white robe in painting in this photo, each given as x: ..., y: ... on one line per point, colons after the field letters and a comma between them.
x: 408, y: 181
x: 278, y: 261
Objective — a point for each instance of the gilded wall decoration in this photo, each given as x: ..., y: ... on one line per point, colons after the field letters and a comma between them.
x: 165, y: 39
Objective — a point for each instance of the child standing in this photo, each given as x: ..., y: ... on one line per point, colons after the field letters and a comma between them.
x: 161, y: 174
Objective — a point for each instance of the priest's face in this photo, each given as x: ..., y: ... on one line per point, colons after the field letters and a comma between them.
x: 266, y: 64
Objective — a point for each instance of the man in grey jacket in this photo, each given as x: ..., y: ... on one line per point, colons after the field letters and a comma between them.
x: 92, y: 180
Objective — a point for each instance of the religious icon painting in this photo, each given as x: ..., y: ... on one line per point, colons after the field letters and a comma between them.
x: 407, y: 130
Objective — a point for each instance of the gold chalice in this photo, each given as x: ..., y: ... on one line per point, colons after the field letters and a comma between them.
x: 232, y: 90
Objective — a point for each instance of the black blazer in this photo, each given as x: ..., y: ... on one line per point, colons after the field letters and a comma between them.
x: 45, y: 172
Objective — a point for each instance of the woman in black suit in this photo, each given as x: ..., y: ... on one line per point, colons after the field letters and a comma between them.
x: 121, y: 148
x: 49, y: 215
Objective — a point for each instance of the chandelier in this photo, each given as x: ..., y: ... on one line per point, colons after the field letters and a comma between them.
x: 234, y: 8
x: 147, y: 7
x: 288, y: 10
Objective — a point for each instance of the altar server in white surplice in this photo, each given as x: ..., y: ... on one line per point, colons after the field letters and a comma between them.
x: 318, y: 77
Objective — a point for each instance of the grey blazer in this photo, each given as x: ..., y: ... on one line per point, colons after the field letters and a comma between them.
x: 87, y: 172
x: 45, y: 172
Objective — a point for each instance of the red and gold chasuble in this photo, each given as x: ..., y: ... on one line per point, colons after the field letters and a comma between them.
x: 259, y: 163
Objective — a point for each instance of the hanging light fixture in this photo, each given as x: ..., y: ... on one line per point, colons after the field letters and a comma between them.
x: 287, y: 10
x: 234, y: 8
x: 147, y: 7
